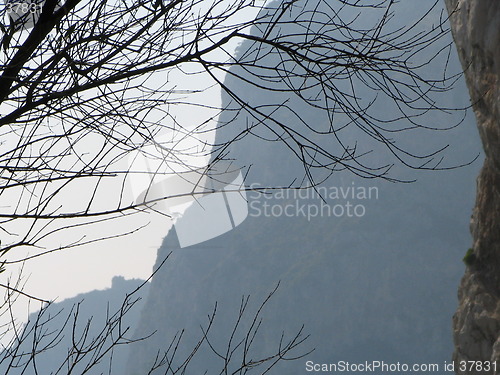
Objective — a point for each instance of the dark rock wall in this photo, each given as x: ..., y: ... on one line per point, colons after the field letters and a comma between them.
x: 476, y: 31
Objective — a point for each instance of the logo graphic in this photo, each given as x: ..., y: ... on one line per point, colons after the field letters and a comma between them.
x: 202, y: 202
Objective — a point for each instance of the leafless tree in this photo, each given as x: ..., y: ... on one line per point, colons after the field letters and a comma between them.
x: 84, y: 84
x: 87, y: 82
x: 81, y: 344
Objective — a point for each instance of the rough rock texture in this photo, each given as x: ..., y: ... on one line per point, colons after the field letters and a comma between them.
x: 476, y: 30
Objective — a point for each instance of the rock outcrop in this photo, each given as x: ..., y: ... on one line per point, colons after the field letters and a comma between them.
x: 476, y: 30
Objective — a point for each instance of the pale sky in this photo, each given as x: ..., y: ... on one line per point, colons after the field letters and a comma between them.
x: 66, y: 273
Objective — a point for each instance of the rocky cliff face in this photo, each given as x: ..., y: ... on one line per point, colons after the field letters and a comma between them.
x: 476, y: 30
x: 376, y: 287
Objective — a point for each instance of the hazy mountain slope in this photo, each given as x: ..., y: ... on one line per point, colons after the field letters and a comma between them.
x: 57, y: 331
x: 381, y: 286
